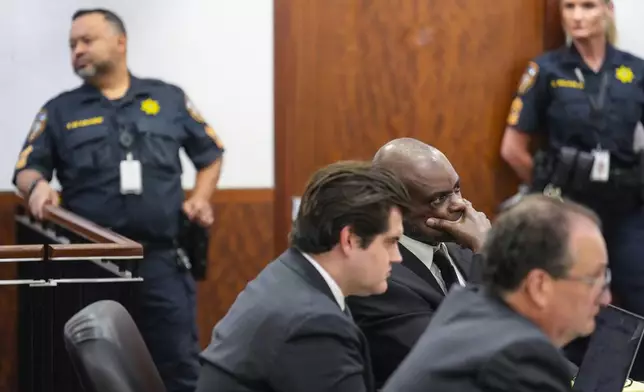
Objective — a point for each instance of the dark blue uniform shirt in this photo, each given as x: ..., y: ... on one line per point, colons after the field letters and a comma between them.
x: 77, y: 134
x: 553, y: 98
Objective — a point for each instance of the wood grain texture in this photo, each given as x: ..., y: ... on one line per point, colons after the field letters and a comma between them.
x: 8, y: 300
x: 553, y: 33
x: 241, y: 244
x: 352, y: 75
x: 103, y: 242
x: 9, y: 253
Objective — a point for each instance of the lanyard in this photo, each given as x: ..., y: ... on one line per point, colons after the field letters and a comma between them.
x: 597, y: 102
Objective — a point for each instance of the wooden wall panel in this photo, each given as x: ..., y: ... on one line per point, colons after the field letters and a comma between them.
x: 241, y: 244
x: 351, y: 75
x: 553, y: 33
x: 8, y: 301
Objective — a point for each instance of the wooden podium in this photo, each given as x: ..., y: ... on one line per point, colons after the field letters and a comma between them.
x: 65, y: 263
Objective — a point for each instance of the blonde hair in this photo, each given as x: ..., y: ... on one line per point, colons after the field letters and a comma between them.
x: 611, y: 29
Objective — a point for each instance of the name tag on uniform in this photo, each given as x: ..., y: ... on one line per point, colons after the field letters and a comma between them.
x: 601, y: 166
x: 131, y: 177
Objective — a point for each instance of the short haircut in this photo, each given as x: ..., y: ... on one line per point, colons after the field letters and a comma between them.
x: 534, y: 234
x: 348, y: 193
x: 109, y: 16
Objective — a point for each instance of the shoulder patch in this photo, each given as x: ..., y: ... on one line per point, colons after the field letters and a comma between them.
x: 515, y: 111
x: 38, y: 126
x: 194, y: 113
x: 23, y: 157
x: 213, y: 135
x: 528, y: 78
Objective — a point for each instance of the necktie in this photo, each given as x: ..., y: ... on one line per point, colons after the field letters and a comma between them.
x: 447, y: 270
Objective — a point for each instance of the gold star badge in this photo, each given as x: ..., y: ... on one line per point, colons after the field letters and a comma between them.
x: 624, y: 74
x: 150, y: 107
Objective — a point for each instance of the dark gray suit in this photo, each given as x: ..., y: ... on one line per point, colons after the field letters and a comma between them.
x: 476, y: 343
x: 395, y: 320
x: 285, y: 332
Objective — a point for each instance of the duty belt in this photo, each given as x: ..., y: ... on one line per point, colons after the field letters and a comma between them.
x: 569, y: 170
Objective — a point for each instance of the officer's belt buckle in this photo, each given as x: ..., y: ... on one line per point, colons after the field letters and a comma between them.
x: 553, y: 192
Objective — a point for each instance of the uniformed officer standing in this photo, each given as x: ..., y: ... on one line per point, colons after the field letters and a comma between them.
x: 587, y: 99
x: 114, y: 143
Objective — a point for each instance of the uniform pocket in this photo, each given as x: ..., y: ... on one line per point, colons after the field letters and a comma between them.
x: 89, y: 148
x: 158, y: 146
x: 569, y: 117
x: 626, y: 104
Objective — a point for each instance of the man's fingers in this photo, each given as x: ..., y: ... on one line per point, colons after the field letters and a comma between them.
x: 37, y: 207
x: 206, y: 220
x: 55, y: 198
x: 189, y: 209
x: 439, y: 224
x: 206, y: 215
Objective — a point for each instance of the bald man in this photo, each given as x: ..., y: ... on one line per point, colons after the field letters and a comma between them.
x: 442, y: 235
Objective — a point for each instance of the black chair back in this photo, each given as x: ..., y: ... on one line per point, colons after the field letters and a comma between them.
x: 108, y: 352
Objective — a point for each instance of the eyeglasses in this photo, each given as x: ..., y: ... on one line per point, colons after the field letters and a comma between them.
x: 592, y: 281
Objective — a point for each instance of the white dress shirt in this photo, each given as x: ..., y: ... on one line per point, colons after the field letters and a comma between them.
x: 425, y: 254
x: 335, y: 289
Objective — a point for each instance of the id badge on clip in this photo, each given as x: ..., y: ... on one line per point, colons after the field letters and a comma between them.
x: 131, y: 176
x: 601, y: 166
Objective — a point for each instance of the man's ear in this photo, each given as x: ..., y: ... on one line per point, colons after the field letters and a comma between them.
x: 538, y: 284
x: 122, y: 42
x: 348, y: 240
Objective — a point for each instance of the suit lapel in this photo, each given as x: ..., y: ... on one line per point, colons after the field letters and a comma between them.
x: 366, y: 356
x: 298, y: 263
x: 412, y: 262
x: 468, y: 263
x: 455, y: 253
x: 409, y: 279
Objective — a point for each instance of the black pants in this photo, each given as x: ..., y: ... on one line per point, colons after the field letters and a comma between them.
x: 165, y: 313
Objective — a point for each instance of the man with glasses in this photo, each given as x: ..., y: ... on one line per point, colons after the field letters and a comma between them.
x: 545, y: 278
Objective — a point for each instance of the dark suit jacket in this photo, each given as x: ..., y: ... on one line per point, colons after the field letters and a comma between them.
x: 476, y: 342
x: 285, y: 332
x: 393, y: 321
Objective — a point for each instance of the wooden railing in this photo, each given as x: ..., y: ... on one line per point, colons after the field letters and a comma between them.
x: 107, y: 244
x: 102, y: 248
x: 64, y: 263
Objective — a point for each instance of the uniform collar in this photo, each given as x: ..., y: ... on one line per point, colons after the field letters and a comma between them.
x: 137, y: 88
x: 572, y: 56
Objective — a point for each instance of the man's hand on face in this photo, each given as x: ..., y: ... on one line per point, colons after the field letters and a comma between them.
x: 469, y: 231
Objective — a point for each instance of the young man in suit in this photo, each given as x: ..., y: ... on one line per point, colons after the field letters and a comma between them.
x: 545, y: 279
x: 436, y: 254
x: 289, y: 330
